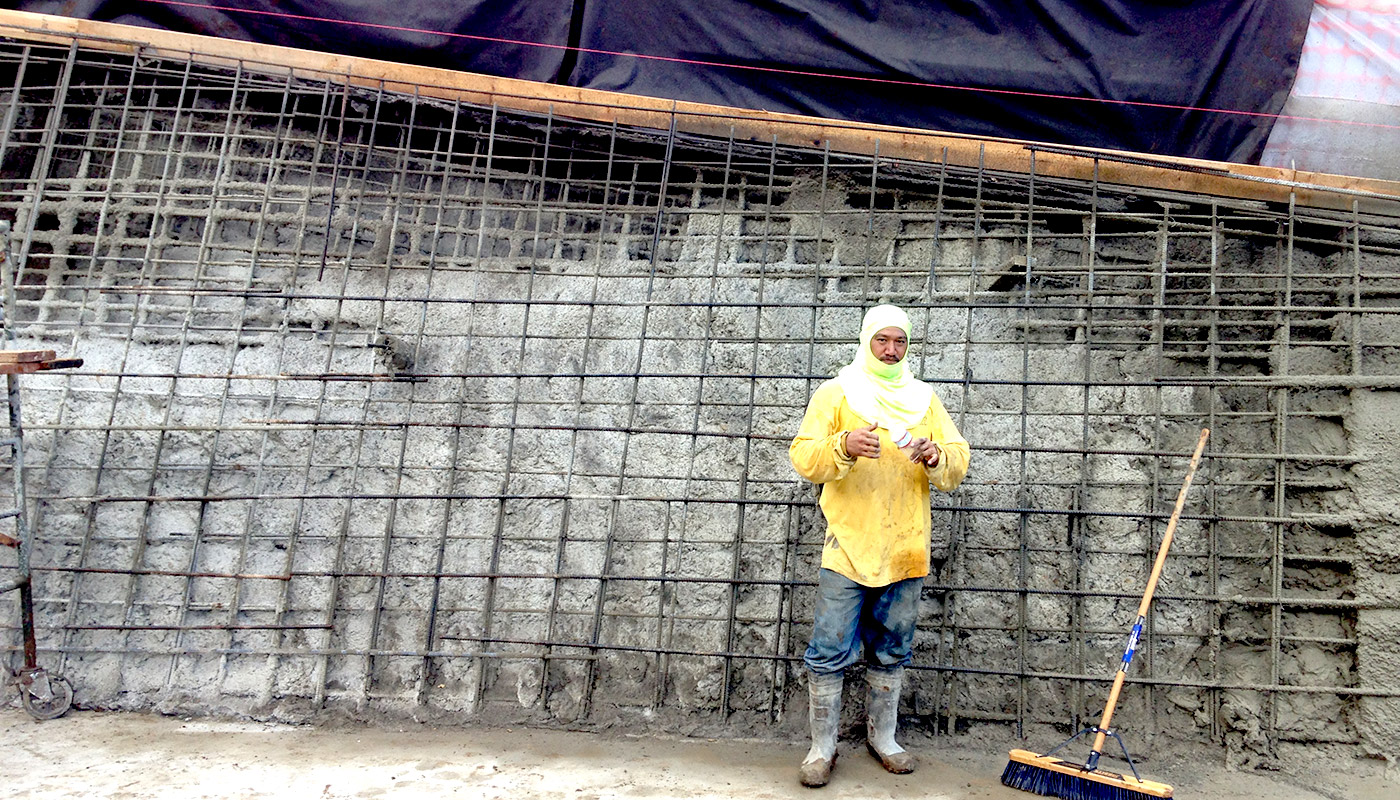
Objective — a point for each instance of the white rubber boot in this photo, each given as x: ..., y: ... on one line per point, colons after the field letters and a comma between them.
x: 883, y: 717
x: 824, y: 716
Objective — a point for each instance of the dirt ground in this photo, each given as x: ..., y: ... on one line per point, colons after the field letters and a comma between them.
x: 123, y: 755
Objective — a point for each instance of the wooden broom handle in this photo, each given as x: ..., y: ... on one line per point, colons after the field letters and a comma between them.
x: 1147, y: 597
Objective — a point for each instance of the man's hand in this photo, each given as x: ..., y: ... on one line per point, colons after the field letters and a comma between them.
x: 863, y: 443
x: 925, y: 451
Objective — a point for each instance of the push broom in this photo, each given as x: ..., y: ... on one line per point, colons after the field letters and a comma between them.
x: 1054, y: 777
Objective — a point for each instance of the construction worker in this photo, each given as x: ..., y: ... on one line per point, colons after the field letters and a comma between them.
x: 875, y: 497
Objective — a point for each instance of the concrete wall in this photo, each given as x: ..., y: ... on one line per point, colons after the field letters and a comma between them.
x: 389, y: 411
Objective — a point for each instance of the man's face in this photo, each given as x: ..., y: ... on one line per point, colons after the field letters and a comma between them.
x: 889, y: 345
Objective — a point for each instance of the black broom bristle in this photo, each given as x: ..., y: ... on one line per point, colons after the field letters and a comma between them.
x: 1050, y: 783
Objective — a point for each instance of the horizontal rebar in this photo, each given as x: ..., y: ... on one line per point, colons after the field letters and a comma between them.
x: 281, y: 286
x: 747, y: 501
x: 231, y: 627
x: 313, y: 652
x: 950, y: 304
x: 1236, y: 599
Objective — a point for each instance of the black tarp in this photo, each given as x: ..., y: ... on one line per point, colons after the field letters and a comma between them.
x: 525, y: 39
x: 1152, y: 77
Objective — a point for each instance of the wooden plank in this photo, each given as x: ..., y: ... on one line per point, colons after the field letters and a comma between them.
x: 18, y: 362
x: 13, y: 356
x: 1192, y: 176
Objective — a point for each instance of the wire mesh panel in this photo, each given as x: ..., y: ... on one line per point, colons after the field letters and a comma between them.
x: 449, y: 410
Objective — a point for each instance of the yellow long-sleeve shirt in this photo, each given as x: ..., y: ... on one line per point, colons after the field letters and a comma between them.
x: 877, y: 509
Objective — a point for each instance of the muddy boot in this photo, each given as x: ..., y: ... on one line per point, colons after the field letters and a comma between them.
x: 824, y: 715
x: 883, y: 710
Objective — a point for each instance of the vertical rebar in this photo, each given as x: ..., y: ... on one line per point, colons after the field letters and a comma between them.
x: 244, y: 321
x: 427, y: 672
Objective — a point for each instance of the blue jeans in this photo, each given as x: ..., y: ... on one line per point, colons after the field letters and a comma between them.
x: 854, y: 621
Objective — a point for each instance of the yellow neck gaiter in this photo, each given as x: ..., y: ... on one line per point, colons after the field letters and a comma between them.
x: 882, y: 393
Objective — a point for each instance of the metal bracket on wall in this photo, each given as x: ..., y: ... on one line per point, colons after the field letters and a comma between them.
x: 44, y: 695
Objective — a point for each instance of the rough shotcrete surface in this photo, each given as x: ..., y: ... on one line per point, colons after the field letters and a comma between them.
x: 372, y: 428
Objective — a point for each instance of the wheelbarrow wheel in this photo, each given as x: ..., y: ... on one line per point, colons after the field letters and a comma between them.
x: 50, y: 704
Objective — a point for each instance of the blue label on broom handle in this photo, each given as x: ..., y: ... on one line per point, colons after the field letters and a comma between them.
x: 1133, y: 641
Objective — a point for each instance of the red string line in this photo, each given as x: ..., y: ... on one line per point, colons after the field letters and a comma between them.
x: 776, y: 70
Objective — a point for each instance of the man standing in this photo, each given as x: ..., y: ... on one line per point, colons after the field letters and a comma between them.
x: 875, y: 497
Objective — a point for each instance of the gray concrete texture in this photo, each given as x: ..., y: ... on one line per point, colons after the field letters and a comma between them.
x: 485, y: 417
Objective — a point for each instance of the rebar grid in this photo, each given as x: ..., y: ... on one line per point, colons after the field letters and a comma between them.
x: 398, y: 404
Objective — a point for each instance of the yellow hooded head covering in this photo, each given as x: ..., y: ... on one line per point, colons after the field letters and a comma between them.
x: 882, y: 393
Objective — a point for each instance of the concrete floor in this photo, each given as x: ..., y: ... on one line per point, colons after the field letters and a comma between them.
x: 119, y: 755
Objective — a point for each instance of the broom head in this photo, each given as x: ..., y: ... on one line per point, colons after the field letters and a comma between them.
x: 1054, y: 777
